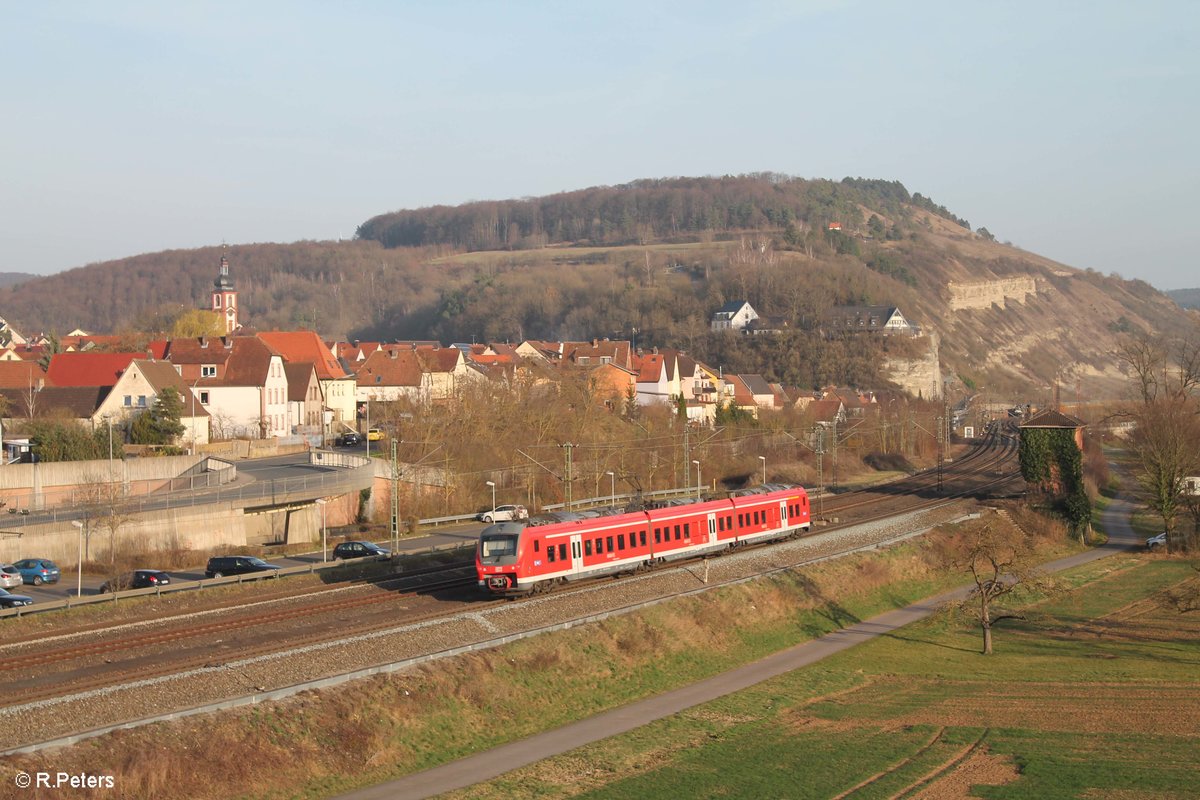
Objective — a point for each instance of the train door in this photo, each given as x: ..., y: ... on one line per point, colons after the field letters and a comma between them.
x: 712, y: 527
x: 783, y: 514
x: 576, y: 552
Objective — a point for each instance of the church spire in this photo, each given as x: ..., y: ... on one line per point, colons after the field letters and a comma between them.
x: 224, y: 295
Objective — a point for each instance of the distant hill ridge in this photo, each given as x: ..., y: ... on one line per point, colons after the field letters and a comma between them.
x: 1187, y: 298
x: 652, y: 260
x: 13, y: 278
x: 664, y: 209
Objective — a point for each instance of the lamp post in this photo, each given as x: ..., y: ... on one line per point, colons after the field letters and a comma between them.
x: 324, y: 536
x: 612, y: 498
x: 194, y: 448
x: 493, y: 485
x: 79, y: 567
x: 697, y: 463
x: 763, y: 459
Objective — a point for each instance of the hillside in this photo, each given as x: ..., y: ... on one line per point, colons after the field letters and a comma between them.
x: 13, y: 278
x: 648, y: 264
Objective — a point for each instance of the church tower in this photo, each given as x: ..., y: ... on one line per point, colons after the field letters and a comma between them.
x: 224, y: 296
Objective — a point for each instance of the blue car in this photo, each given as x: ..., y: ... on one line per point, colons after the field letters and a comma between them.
x: 37, y: 570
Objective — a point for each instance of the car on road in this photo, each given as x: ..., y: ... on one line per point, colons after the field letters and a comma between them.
x: 360, y: 550
x: 138, y: 579
x: 220, y: 566
x: 10, y: 576
x: 37, y: 570
x: 350, y: 439
x: 10, y: 600
x: 374, y: 434
x: 505, y: 513
x: 1155, y: 542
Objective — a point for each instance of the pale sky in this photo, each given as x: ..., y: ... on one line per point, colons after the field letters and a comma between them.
x: 1067, y: 128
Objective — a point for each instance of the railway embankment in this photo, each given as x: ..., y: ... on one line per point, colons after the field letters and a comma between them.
x: 394, y: 724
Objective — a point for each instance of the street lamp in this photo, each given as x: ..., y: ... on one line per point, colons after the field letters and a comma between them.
x: 697, y: 463
x: 493, y: 485
x: 79, y: 568
x: 612, y: 498
x: 324, y: 537
x: 194, y: 448
x: 763, y: 459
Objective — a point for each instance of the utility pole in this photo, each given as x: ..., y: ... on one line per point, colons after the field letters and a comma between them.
x: 395, y: 500
x: 687, y: 474
x: 941, y: 429
x: 569, y: 492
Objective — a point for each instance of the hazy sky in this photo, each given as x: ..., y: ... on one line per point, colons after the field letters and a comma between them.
x: 1068, y: 128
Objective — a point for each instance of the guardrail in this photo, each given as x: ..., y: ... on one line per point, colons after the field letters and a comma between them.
x: 578, y: 505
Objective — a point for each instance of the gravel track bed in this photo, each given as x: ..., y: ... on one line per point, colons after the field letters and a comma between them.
x: 217, y: 682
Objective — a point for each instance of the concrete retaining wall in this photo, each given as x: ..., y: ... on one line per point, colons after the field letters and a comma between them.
x: 190, y: 528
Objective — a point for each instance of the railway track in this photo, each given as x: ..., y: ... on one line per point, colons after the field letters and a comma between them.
x: 124, y: 657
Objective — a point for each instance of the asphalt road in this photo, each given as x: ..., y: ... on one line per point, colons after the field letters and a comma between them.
x: 497, y: 761
x: 280, y: 469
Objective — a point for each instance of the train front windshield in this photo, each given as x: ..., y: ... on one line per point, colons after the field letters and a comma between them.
x: 495, y: 547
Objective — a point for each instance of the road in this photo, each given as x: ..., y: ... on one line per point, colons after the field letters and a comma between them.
x: 261, y: 474
x: 499, y: 760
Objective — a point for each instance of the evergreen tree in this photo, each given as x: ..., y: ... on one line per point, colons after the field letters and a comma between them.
x: 160, y: 424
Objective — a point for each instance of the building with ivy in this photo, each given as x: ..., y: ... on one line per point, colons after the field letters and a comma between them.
x: 1051, y: 455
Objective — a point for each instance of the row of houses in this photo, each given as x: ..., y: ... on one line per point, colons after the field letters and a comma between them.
x: 740, y: 316
x: 278, y: 384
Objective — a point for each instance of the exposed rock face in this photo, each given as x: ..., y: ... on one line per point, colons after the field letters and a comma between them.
x: 984, y: 294
x: 920, y: 377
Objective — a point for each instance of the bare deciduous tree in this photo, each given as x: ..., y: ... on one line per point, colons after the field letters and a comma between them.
x: 1002, y: 565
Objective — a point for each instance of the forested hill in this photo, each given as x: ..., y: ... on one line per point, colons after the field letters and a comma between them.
x: 662, y: 210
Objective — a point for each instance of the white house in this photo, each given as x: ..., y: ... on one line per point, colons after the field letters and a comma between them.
x: 240, y: 381
x: 734, y: 315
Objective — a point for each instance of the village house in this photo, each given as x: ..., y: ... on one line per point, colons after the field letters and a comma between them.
x: 241, y: 382
x: 733, y: 316
x: 867, y: 319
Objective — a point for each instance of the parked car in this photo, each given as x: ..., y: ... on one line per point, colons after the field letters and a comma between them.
x: 138, y: 579
x: 37, y: 570
x: 1154, y: 542
x: 350, y: 439
x: 10, y: 600
x: 505, y: 513
x: 374, y: 434
x: 220, y: 566
x: 361, y: 550
x: 10, y: 576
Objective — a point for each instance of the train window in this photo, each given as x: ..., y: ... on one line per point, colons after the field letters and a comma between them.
x: 599, y: 545
x: 620, y: 541
x: 677, y: 533
x: 610, y: 543
x: 687, y: 530
x: 550, y: 554
x: 562, y: 551
x: 537, y: 545
x: 658, y: 535
x: 741, y: 520
x: 587, y: 547
x: 642, y: 537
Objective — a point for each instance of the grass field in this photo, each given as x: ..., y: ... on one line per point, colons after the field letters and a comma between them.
x: 1096, y: 695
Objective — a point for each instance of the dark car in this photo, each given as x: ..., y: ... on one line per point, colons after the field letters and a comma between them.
x: 138, y: 579
x: 37, y: 570
x: 361, y: 550
x: 10, y: 600
x: 219, y: 566
x: 350, y: 439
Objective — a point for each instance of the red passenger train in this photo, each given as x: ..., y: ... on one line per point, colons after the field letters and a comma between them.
x: 518, y: 558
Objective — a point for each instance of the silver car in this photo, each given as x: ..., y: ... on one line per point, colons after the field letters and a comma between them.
x: 505, y: 513
x: 9, y: 576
